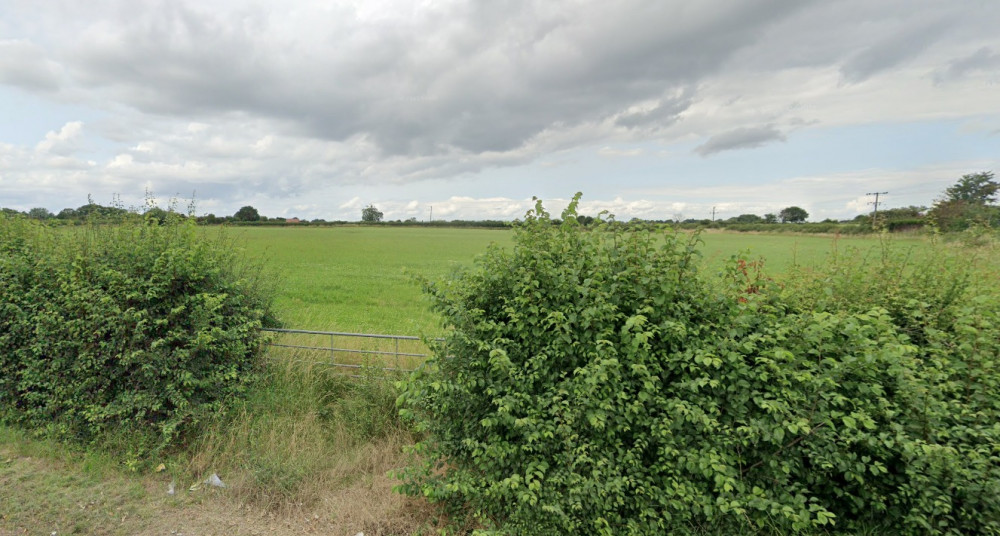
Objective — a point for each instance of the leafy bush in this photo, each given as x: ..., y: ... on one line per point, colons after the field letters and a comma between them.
x: 594, y: 383
x: 138, y: 327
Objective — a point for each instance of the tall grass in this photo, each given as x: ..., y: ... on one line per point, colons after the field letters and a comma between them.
x: 306, y: 427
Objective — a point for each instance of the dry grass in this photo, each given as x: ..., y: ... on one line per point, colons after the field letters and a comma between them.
x: 45, y: 495
x: 308, y: 452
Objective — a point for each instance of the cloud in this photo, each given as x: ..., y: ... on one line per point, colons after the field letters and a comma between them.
x: 982, y: 60
x: 740, y: 138
x: 354, y: 203
x: 328, y: 101
x: 617, y: 153
x: 64, y: 142
x: 902, y: 45
x: 659, y: 113
x: 25, y: 65
x: 467, y: 76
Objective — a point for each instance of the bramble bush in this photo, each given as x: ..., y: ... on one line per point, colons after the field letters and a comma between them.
x: 137, y: 328
x: 595, y: 383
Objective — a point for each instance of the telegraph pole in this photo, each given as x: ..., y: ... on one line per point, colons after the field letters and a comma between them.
x: 713, y: 213
x: 875, y: 214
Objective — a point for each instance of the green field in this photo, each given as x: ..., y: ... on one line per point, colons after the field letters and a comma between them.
x: 363, y: 279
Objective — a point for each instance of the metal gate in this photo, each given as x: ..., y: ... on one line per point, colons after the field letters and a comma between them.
x: 396, y: 353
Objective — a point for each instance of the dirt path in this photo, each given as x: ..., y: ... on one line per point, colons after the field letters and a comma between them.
x: 52, y: 497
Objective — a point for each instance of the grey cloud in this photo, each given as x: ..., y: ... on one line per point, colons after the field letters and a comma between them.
x: 892, y: 51
x: 25, y: 65
x: 391, y: 93
x: 475, y: 76
x: 740, y: 138
x: 664, y: 113
x: 982, y: 60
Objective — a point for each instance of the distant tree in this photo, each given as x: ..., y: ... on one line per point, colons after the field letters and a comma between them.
x: 746, y: 218
x: 969, y: 200
x: 902, y: 213
x: 11, y: 212
x: 770, y: 217
x: 156, y: 213
x: 67, y: 214
x: 975, y: 188
x: 370, y: 214
x: 793, y: 215
x: 94, y: 210
x: 39, y: 213
x: 247, y: 213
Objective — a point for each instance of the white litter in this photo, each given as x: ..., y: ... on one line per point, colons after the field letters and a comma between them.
x: 170, y: 488
x: 214, y: 480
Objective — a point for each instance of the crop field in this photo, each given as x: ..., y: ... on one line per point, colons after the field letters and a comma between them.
x: 365, y: 279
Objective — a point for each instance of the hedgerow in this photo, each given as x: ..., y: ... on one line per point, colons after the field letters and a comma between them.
x: 137, y: 328
x: 595, y: 383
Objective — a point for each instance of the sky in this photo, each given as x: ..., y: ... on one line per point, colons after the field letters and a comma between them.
x: 659, y: 109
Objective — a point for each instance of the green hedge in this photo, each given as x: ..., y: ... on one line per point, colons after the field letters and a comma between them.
x: 134, y: 328
x: 595, y: 383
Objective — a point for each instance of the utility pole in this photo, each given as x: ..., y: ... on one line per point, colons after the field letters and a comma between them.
x: 875, y: 214
x: 432, y: 213
x: 713, y: 213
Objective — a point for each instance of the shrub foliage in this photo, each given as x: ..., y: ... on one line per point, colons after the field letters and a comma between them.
x: 138, y: 327
x: 595, y: 383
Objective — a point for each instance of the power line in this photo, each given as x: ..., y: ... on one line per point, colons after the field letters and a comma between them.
x: 875, y: 214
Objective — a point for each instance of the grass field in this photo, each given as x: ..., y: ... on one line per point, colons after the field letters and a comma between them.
x: 363, y: 279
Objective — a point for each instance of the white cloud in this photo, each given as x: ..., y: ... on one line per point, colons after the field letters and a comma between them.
x: 64, y: 142
x: 354, y: 203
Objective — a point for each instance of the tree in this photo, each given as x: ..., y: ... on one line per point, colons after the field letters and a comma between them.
x: 974, y: 188
x: 370, y: 214
x: 745, y: 218
x: 793, y: 215
x: 969, y: 200
x: 156, y: 213
x: 67, y: 214
x: 247, y: 213
x: 770, y: 217
x: 40, y: 213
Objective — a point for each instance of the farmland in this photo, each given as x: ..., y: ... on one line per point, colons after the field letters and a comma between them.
x: 362, y: 279
x: 311, y: 447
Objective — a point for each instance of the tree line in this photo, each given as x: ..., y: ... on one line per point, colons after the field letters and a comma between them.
x: 971, y: 201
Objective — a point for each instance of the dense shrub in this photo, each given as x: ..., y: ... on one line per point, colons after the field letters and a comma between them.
x: 133, y: 328
x: 808, y: 228
x: 594, y: 383
x: 906, y: 224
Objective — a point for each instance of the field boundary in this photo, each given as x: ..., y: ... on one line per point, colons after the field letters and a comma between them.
x: 351, y: 351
